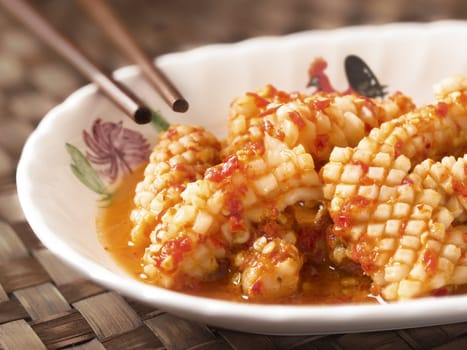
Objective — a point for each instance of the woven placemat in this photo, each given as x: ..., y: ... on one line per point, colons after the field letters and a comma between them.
x: 44, y: 304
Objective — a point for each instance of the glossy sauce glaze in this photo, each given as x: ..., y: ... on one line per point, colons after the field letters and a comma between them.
x: 321, y: 284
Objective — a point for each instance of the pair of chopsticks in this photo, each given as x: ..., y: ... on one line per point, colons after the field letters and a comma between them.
x: 109, y: 23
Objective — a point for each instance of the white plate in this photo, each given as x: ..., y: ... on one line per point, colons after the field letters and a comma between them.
x: 406, y: 57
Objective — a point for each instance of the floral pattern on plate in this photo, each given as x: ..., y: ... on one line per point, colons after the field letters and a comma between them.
x: 112, y: 150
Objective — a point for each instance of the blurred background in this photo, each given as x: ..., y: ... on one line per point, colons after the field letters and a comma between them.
x: 33, y: 79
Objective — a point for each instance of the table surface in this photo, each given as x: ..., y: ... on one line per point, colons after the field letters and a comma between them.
x: 44, y: 304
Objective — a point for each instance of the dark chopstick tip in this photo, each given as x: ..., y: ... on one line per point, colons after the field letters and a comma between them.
x: 143, y: 115
x: 180, y: 105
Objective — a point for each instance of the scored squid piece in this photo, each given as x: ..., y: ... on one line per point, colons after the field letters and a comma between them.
x: 318, y: 121
x: 269, y: 269
x: 182, y: 155
x: 255, y: 183
x: 402, y: 221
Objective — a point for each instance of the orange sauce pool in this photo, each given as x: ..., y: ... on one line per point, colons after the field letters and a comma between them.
x: 321, y: 284
x: 114, y: 225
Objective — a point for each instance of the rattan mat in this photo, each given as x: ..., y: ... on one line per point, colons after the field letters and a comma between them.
x: 46, y: 305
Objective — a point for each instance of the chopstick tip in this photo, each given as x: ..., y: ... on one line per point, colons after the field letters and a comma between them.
x: 180, y: 105
x: 142, y: 115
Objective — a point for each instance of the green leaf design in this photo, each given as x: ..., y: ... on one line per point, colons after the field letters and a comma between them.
x: 85, y: 173
x: 159, y: 122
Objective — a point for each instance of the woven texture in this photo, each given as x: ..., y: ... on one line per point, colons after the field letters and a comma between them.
x: 43, y: 303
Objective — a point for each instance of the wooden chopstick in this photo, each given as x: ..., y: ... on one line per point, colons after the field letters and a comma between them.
x: 115, y: 29
x: 126, y: 100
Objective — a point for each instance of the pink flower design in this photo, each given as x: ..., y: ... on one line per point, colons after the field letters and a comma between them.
x: 115, y: 149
